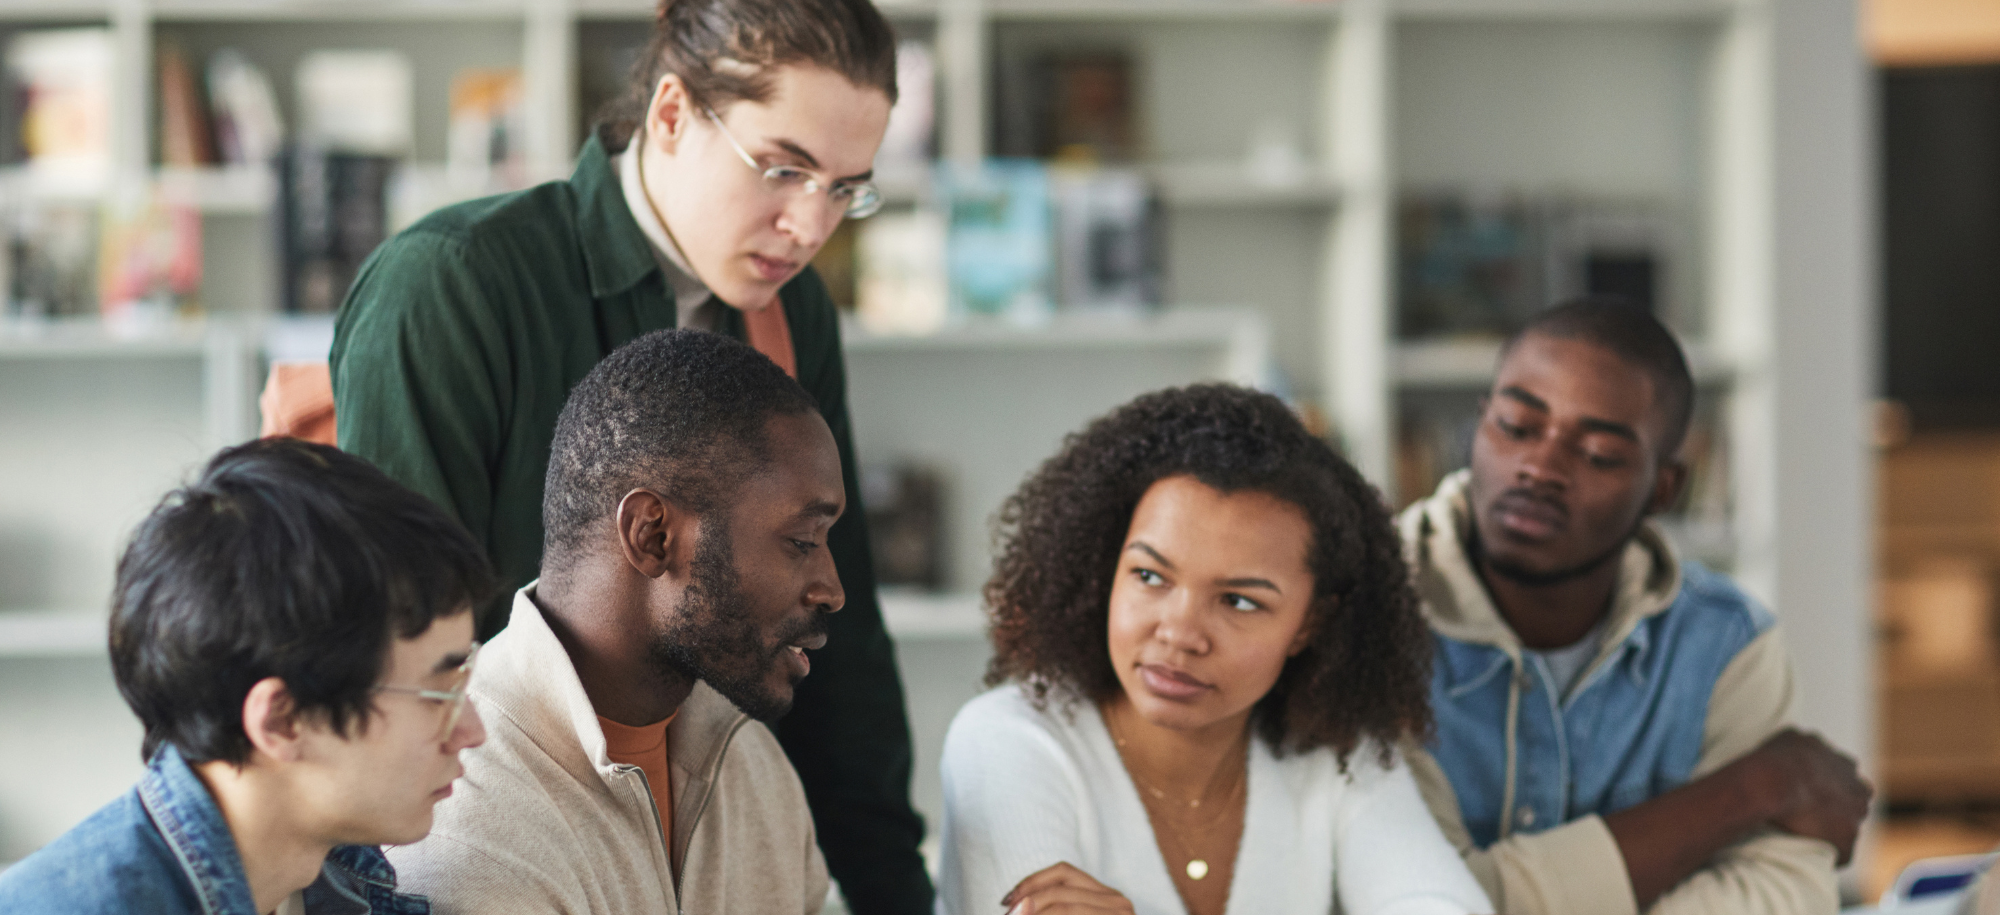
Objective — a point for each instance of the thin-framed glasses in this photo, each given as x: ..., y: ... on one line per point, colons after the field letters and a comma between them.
x: 856, y: 199
x: 453, y: 699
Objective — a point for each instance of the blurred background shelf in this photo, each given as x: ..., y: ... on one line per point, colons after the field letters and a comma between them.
x: 1284, y: 142
x: 320, y: 11
x: 1469, y: 364
x: 1715, y: 11
x: 52, y: 634
x: 1155, y: 10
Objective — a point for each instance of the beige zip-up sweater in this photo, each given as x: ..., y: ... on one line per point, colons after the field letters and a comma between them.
x: 545, y: 822
x: 1576, y: 868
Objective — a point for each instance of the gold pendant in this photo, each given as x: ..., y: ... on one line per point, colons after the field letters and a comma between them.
x: 1197, y: 869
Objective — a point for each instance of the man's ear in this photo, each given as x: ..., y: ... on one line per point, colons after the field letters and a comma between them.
x: 668, y: 113
x: 1667, y: 485
x: 658, y: 537
x: 271, y: 720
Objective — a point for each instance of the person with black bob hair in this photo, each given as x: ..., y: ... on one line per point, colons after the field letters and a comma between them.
x: 294, y: 631
x: 1207, y: 654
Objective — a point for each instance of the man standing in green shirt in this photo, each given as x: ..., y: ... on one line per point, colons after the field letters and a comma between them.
x: 750, y: 132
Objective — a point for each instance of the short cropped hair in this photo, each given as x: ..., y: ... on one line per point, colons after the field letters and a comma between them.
x: 282, y: 559
x: 1630, y: 332
x: 681, y: 412
x: 1365, y: 670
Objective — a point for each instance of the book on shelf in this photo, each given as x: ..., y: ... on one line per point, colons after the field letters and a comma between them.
x: 249, y: 130
x: 1107, y: 239
x: 900, y: 279
x: 355, y: 126
x: 186, y: 140
x: 906, y: 523
x: 483, y: 139
x: 997, y: 247
x: 149, y: 259
x: 1075, y: 104
x: 1085, y: 111
x: 1481, y: 265
x: 63, y: 77
x: 1433, y: 439
x: 51, y: 260
x: 356, y: 101
x: 334, y: 210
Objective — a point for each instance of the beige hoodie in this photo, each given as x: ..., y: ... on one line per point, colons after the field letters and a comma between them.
x: 545, y: 822
x: 1576, y: 868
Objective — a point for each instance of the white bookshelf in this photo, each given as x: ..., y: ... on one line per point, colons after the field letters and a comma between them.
x: 1681, y: 100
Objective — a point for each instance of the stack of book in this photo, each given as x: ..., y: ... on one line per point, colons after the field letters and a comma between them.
x: 58, y: 131
x: 1480, y: 265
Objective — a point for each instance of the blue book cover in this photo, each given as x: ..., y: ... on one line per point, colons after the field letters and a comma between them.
x: 998, y: 242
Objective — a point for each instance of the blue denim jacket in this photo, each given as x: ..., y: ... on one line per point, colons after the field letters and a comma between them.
x: 1521, y: 756
x: 164, y: 849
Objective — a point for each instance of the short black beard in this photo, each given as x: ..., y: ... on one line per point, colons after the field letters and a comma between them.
x: 713, y: 638
x: 1531, y: 578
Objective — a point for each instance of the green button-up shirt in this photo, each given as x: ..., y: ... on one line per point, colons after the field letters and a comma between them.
x: 452, y: 357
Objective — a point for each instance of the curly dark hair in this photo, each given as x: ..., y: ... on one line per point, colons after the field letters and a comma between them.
x: 1365, y: 670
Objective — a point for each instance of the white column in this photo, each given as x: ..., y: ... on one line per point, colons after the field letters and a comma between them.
x: 131, y: 95
x: 1359, y: 292
x: 961, y: 43
x: 1824, y: 362
x: 1739, y: 287
x: 548, y: 83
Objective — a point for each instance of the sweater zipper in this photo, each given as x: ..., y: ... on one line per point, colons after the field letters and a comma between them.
x: 659, y: 828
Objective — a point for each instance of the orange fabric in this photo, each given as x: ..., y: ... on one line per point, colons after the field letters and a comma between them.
x: 646, y: 747
x: 771, y: 335
x: 298, y: 401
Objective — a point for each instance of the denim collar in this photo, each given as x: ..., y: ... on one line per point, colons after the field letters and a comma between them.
x: 355, y: 880
x: 193, y: 827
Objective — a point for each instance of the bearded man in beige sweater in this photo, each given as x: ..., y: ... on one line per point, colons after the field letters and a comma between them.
x: 691, y: 486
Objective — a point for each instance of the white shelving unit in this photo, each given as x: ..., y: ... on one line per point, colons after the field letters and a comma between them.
x: 1682, y: 100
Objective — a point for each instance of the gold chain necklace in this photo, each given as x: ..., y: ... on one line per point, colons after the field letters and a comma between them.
x: 1197, y: 867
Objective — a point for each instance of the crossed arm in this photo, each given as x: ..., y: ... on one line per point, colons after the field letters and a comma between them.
x: 1769, y: 815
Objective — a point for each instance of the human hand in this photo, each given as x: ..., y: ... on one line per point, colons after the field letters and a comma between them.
x: 1817, y: 791
x: 1062, y: 889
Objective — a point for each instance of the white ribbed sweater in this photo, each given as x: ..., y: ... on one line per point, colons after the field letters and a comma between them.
x: 1027, y: 788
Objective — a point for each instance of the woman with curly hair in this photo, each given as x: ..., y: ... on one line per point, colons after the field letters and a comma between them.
x: 1206, y: 650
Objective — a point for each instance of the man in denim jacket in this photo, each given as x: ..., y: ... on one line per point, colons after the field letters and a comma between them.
x: 1611, y: 720
x: 294, y: 632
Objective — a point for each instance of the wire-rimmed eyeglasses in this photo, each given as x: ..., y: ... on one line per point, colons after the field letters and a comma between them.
x: 856, y: 199
x: 453, y: 699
